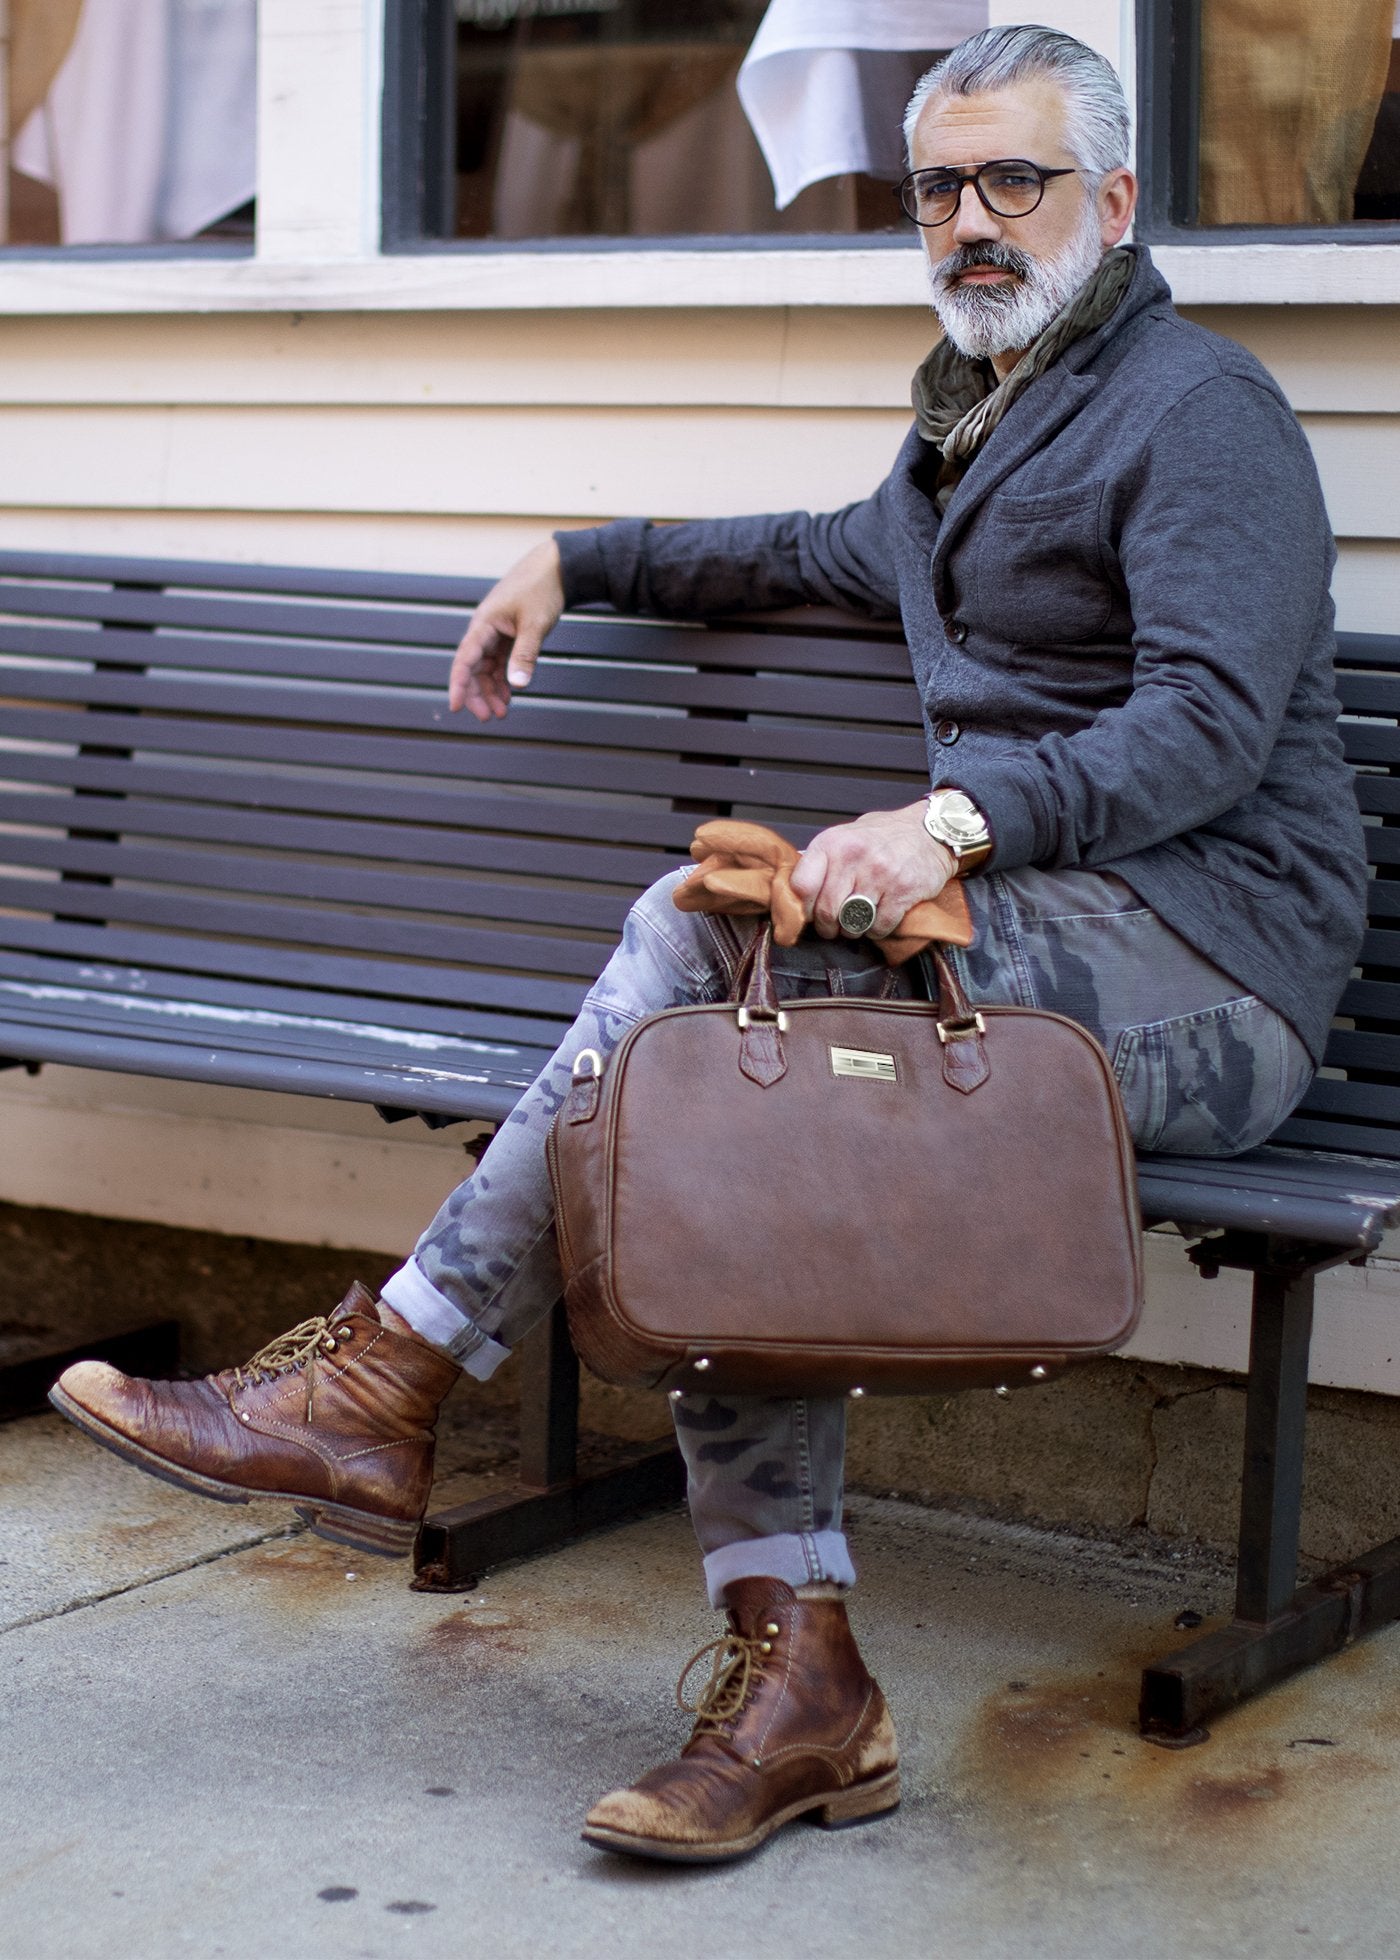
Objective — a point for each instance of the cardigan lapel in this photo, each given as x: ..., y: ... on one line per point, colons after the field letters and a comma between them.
x: 1034, y: 421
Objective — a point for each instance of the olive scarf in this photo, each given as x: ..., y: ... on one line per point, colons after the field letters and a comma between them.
x: 958, y: 402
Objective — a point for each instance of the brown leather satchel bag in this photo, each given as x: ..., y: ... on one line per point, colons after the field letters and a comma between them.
x: 845, y: 1196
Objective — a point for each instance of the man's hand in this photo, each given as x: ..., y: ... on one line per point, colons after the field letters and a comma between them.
x: 500, y: 647
x: 886, y: 856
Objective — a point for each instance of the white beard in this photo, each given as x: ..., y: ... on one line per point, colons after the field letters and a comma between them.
x: 983, y: 320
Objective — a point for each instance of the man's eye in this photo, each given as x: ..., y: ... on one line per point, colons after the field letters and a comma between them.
x: 1013, y: 180
x: 934, y: 188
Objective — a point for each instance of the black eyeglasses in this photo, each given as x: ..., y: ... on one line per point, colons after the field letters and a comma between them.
x: 1009, y: 188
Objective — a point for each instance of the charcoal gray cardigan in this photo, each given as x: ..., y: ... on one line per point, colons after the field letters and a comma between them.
x: 1121, y: 634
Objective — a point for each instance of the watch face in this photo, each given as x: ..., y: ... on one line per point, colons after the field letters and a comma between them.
x: 957, y: 819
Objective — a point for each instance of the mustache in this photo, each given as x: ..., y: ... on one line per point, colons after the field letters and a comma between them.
x: 964, y: 258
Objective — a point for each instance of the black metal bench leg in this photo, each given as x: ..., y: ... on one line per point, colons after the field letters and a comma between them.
x: 1276, y: 1413
x: 551, y: 1504
x: 1278, y: 1627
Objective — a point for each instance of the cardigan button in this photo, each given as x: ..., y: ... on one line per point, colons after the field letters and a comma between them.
x: 956, y: 630
x: 945, y: 733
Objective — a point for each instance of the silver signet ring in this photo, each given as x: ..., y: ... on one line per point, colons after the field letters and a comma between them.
x: 856, y: 916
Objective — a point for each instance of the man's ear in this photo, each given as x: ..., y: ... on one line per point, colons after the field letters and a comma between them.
x: 1117, y: 200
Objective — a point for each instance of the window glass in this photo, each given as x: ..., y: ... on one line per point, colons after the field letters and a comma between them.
x: 127, y: 122
x: 1299, y: 112
x: 632, y: 118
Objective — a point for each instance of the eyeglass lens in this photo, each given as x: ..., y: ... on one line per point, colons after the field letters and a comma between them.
x: 1010, y: 189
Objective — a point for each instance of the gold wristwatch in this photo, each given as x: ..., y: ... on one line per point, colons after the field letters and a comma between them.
x: 952, y: 819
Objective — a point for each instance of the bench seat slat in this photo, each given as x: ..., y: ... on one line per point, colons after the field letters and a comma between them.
x: 1344, y: 1201
x: 480, y: 1095
x: 253, y: 1031
x: 34, y: 972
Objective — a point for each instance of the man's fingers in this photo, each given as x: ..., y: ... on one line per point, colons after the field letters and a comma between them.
x: 475, y: 665
x: 499, y: 649
x: 529, y: 638
x: 808, y: 875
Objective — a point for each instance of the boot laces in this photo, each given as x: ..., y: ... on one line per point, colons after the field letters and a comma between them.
x: 301, y: 1347
x: 736, y: 1661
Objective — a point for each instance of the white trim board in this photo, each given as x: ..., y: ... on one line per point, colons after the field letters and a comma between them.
x: 1199, y: 275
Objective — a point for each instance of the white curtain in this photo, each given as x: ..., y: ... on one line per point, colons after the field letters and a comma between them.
x: 149, y: 129
x: 825, y: 83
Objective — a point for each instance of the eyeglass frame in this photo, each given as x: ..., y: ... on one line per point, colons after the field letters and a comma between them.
x: 973, y: 177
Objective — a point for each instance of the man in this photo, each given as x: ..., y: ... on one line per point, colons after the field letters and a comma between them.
x: 1107, y: 543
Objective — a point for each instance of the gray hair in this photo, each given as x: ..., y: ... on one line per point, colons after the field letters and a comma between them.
x: 1002, y: 56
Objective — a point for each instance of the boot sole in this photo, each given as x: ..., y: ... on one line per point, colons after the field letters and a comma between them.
x: 860, y: 1803
x: 387, y: 1537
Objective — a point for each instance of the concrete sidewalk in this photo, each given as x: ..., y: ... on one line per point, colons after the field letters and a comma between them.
x: 224, y: 1739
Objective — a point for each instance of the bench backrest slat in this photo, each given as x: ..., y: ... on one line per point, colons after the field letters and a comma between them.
x: 241, y: 782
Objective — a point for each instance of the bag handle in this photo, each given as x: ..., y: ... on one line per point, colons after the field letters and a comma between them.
x: 961, y: 1030
x: 762, y: 1022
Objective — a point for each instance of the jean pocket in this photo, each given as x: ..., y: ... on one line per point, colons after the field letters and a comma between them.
x: 1213, y: 1083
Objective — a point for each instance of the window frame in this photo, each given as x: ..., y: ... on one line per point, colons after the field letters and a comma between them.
x: 1168, y: 66
x: 417, y: 113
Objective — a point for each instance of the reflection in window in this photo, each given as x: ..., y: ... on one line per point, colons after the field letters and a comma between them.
x: 624, y: 118
x: 128, y: 121
x: 1299, y: 111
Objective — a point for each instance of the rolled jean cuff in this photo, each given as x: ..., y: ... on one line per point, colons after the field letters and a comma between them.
x: 798, y: 1558
x: 431, y: 1314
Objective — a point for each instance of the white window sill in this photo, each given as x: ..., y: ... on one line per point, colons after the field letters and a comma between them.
x: 1226, y: 275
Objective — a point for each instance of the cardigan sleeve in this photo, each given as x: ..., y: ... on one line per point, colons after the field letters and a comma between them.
x: 737, y: 564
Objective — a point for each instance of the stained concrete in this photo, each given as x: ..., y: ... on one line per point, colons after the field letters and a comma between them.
x: 257, y: 1749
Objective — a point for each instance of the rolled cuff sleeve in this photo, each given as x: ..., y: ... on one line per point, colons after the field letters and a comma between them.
x: 1009, y: 799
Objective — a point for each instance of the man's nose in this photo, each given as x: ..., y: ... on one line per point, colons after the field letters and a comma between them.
x: 972, y: 220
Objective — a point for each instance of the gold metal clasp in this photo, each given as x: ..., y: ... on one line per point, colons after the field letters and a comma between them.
x: 864, y: 1063
x: 748, y: 1015
x: 582, y: 1074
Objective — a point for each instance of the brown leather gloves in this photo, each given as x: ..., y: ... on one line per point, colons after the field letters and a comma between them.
x: 745, y: 870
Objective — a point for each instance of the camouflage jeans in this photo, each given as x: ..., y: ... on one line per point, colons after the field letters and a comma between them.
x: 1205, y: 1069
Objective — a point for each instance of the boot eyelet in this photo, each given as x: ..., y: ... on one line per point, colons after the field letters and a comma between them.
x: 757, y: 1761
x: 765, y: 1646
x: 772, y: 1627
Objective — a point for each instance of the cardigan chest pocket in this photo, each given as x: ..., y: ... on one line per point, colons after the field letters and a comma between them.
x: 1040, y: 576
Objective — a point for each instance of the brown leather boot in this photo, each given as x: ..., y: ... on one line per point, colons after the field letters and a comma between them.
x: 336, y: 1416
x: 790, y: 1723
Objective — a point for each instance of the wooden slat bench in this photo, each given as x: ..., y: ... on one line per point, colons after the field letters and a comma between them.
x: 241, y: 841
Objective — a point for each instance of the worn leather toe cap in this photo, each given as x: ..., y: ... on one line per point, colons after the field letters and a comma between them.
x: 98, y: 1387
x: 636, y: 1814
